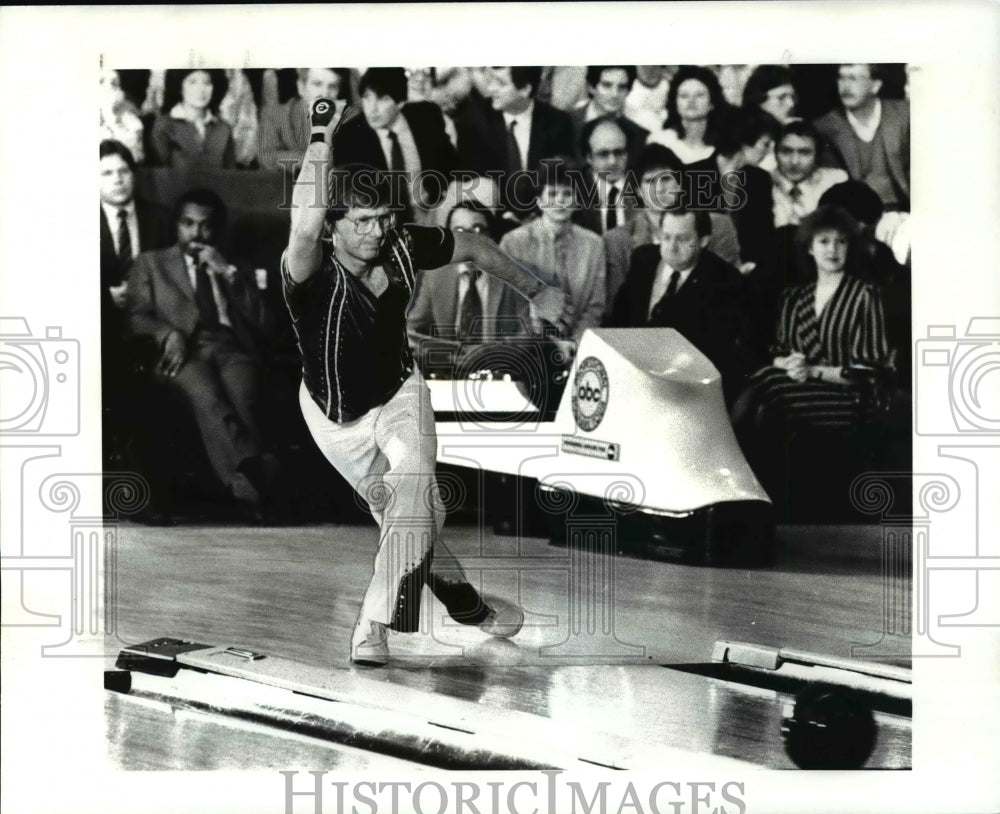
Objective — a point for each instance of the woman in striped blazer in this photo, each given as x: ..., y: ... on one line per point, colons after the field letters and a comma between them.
x: 826, y: 328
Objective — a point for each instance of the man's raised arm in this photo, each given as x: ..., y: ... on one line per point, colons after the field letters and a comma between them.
x: 541, y: 289
x: 311, y: 194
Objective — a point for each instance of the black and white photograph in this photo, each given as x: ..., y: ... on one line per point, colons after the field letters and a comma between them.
x: 401, y: 437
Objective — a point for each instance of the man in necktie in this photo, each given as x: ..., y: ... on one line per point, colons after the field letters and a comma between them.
x: 798, y: 181
x: 606, y: 197
x: 127, y: 226
x: 210, y: 322
x: 407, y: 138
x: 680, y: 284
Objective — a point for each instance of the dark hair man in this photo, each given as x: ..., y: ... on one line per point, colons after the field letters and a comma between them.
x: 348, y: 274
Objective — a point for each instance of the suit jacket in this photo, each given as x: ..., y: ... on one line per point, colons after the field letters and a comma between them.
x: 357, y: 142
x: 889, y: 174
x: 154, y: 233
x: 482, y: 138
x: 707, y: 310
x: 434, y: 307
x: 161, y: 299
x: 589, y: 214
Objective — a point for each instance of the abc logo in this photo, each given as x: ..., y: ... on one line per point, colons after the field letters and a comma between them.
x: 322, y: 107
x: 590, y: 394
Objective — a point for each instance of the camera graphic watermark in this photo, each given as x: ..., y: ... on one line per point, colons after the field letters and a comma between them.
x: 40, y: 380
x: 958, y: 378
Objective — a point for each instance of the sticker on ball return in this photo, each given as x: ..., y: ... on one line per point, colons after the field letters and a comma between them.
x: 590, y: 394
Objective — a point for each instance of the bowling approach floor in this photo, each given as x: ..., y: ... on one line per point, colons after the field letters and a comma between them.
x: 608, y: 643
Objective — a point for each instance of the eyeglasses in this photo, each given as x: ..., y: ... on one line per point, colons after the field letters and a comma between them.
x: 477, y: 228
x: 605, y: 154
x: 365, y: 225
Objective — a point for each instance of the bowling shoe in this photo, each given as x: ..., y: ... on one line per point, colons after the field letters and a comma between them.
x: 505, y: 619
x: 373, y: 649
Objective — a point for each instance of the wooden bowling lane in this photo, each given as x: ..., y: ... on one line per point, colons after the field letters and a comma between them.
x: 596, y: 628
x: 146, y: 735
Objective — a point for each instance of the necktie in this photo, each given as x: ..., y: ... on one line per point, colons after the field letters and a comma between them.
x: 613, y: 195
x: 795, y: 194
x: 124, y: 239
x: 470, y: 324
x: 513, y: 150
x: 395, y: 153
x: 675, y: 279
x: 208, y: 313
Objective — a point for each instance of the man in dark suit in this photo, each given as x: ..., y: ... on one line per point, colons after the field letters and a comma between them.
x: 128, y: 227
x: 208, y: 320
x: 679, y: 284
x: 608, y: 86
x: 608, y: 194
x: 868, y: 136
x: 404, y: 138
x: 515, y: 133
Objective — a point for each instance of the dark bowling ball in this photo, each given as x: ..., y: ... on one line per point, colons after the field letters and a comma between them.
x: 830, y: 728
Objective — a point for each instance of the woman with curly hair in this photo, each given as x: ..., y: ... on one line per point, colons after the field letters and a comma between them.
x: 189, y: 132
x: 694, y: 103
x: 826, y: 328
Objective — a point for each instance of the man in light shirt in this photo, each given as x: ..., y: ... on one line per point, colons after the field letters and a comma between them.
x: 869, y: 136
x: 798, y: 181
x: 209, y: 322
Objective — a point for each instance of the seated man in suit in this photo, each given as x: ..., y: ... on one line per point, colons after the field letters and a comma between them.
x: 661, y: 182
x: 679, y: 284
x: 407, y: 139
x: 458, y: 306
x: 573, y: 255
x: 868, y: 136
x: 609, y: 86
x: 128, y: 227
x: 608, y: 194
x: 208, y: 319
x: 284, y: 128
x: 516, y: 132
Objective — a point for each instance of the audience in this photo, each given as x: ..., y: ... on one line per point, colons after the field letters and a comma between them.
x: 555, y: 245
x: 188, y: 133
x: 868, y: 136
x: 742, y: 202
x: 209, y: 322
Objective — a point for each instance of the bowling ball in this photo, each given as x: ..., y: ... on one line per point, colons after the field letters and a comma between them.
x: 830, y: 728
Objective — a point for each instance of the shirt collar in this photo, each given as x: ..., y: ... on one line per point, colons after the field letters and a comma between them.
x: 523, y: 117
x: 111, y: 210
x: 873, y: 125
x: 177, y: 112
x: 786, y: 186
